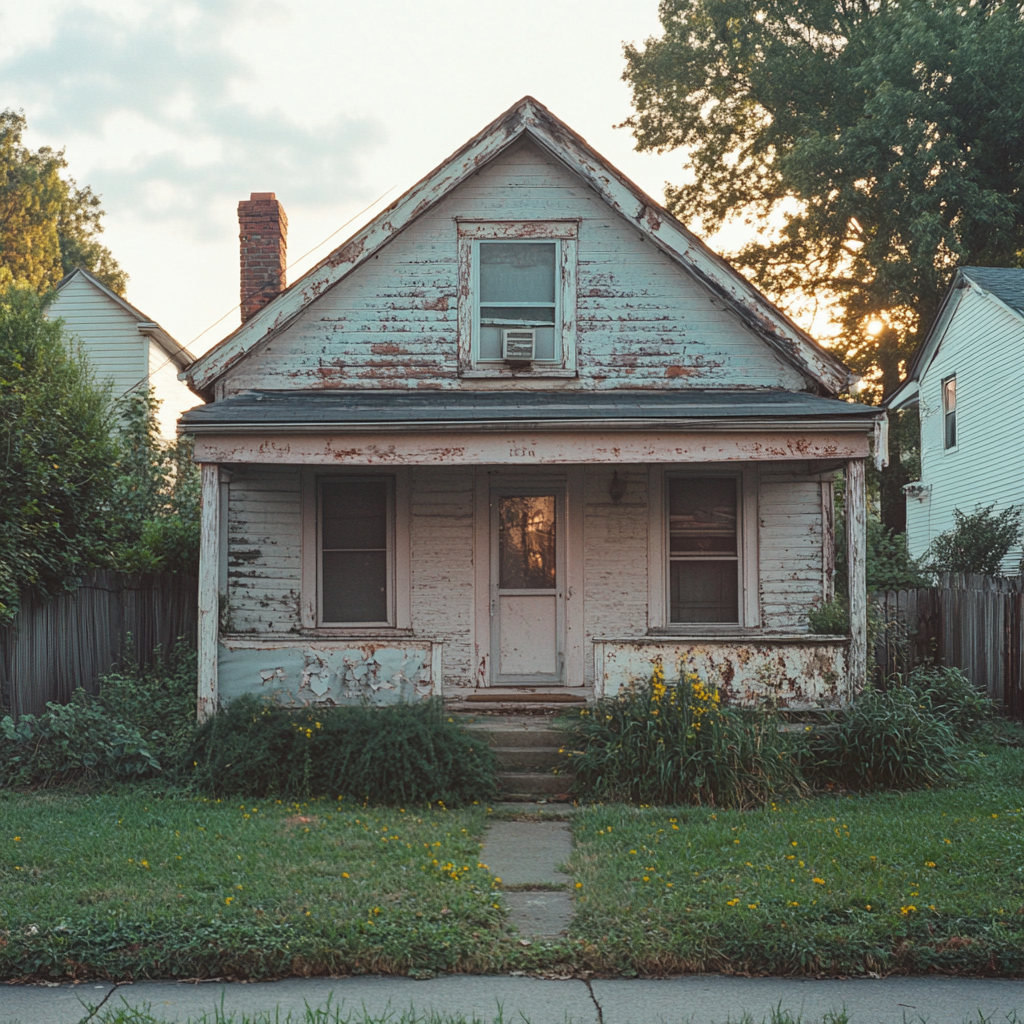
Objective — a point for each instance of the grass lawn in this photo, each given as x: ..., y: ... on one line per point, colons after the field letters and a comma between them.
x: 133, y: 885
x: 915, y: 882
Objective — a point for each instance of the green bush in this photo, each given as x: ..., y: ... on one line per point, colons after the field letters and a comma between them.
x: 951, y: 696
x: 831, y: 618
x: 885, y: 740
x: 676, y: 744
x: 978, y: 542
x: 73, y: 742
x: 405, y: 754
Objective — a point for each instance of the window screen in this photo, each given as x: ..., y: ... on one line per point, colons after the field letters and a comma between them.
x: 949, y: 412
x: 354, y: 531
x: 517, y: 289
x: 703, y: 549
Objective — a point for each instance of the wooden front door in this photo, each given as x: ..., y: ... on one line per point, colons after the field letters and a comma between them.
x: 527, y: 585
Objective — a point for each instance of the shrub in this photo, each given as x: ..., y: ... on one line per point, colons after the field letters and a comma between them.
x: 885, y: 740
x: 673, y: 744
x: 831, y: 618
x: 950, y: 695
x: 72, y: 742
x: 400, y: 754
x: 978, y: 542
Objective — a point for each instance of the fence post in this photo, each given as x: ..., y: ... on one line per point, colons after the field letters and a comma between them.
x: 209, y: 591
x: 856, y: 562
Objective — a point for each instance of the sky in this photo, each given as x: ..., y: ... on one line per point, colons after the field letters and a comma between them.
x: 174, y: 110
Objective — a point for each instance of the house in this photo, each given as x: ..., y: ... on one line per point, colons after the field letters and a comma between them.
x: 967, y: 381
x: 521, y: 437
x: 123, y: 345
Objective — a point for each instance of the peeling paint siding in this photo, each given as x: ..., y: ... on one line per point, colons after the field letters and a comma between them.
x: 442, y: 565
x: 789, y: 509
x: 641, y: 320
x: 264, y: 549
x: 615, y: 556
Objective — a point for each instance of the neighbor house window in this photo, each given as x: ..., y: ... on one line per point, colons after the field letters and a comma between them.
x: 355, y: 551
x: 949, y: 412
x: 517, y: 298
x: 703, y: 549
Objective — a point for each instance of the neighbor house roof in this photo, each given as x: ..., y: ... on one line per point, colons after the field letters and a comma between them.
x: 180, y: 355
x: 1003, y: 284
x: 531, y: 119
x: 301, y: 411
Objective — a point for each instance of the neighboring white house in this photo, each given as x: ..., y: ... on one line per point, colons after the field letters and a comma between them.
x: 520, y: 439
x: 123, y: 344
x: 967, y: 379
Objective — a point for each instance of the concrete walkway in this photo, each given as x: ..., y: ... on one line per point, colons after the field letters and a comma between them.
x: 526, y: 856
x: 706, y: 999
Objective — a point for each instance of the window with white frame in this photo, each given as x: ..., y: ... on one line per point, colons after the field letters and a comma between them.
x: 355, y: 551
x: 517, y: 305
x: 704, y: 549
x: 949, y: 412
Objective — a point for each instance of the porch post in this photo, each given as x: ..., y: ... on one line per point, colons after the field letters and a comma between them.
x: 209, y: 591
x: 856, y: 562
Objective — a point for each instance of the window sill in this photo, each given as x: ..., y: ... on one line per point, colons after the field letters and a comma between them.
x: 491, y: 373
x: 359, y: 632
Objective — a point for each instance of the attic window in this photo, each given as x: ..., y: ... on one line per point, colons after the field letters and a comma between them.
x: 949, y: 412
x: 517, y: 305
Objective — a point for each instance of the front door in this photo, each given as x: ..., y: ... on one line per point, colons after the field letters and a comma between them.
x: 527, y: 572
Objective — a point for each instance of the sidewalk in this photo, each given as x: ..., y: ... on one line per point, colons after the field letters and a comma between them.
x: 704, y: 999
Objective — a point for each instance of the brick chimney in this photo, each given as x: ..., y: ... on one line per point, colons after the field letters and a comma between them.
x: 263, y: 250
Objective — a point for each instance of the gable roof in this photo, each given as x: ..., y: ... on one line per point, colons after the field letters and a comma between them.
x: 180, y: 355
x: 1004, y: 285
x: 528, y: 118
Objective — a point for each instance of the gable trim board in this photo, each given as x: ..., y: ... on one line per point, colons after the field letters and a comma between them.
x: 528, y: 118
x: 177, y: 353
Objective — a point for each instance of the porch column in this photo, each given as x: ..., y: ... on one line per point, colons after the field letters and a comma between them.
x: 209, y: 591
x: 856, y: 562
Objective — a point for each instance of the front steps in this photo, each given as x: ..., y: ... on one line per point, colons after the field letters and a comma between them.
x: 526, y: 747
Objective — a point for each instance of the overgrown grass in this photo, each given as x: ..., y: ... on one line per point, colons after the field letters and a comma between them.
x: 131, y: 886
x: 889, y: 882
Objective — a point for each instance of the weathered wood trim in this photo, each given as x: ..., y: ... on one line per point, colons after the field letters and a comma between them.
x: 575, y: 635
x: 437, y: 668
x: 525, y: 449
x: 828, y: 540
x: 482, y: 577
x: 856, y: 561
x: 209, y: 591
x: 751, y: 566
x: 657, y: 586
x: 222, y: 541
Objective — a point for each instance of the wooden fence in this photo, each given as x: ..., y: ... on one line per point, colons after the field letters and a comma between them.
x: 111, y: 620
x: 975, y: 623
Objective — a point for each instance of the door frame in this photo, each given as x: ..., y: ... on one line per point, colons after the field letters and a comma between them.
x: 575, y: 671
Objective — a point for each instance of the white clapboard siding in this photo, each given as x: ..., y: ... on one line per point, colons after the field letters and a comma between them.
x: 790, y: 546
x: 105, y: 331
x: 642, y: 321
x: 984, y: 347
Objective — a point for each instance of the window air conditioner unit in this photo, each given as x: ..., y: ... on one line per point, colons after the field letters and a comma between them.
x: 517, y: 344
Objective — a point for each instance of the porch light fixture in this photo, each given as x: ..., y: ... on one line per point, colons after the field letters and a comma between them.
x: 617, y: 488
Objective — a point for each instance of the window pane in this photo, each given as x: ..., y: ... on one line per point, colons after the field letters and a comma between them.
x: 702, y: 515
x: 704, y: 591
x: 526, y: 542
x: 518, y: 314
x: 355, y: 586
x: 949, y: 394
x: 950, y: 429
x: 490, y: 343
x: 517, y: 272
x: 355, y: 514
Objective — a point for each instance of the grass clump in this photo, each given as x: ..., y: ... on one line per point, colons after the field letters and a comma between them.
x: 403, y: 754
x: 658, y: 743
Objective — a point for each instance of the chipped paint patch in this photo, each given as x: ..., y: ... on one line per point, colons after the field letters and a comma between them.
x: 794, y: 672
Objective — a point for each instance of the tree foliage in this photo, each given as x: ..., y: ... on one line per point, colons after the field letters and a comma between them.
x: 85, y: 482
x: 978, y: 542
x: 48, y: 224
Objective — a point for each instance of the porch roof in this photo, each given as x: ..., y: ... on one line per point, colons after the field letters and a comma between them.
x: 326, y: 411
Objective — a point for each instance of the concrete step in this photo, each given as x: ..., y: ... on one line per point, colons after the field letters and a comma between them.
x: 518, y: 739
x: 533, y: 785
x: 514, y: 758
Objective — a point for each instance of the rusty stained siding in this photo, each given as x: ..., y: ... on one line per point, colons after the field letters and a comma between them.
x: 642, y: 321
x: 791, y: 581
x: 304, y: 673
x: 792, y: 672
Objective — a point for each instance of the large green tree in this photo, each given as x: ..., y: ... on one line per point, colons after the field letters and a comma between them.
x: 48, y: 225
x: 872, y: 145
